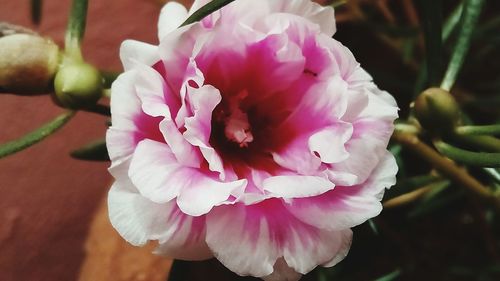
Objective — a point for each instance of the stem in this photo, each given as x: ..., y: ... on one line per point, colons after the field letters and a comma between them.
x: 479, y: 130
x: 446, y: 167
x: 35, y: 136
x: 452, y: 21
x: 486, y: 143
x: 76, y: 29
x: 481, y: 159
x: 413, y: 195
x: 470, y: 16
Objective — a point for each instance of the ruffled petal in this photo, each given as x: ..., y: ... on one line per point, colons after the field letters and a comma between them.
x: 139, y: 220
x: 294, y: 186
x: 133, y: 53
x: 346, y: 207
x: 269, y: 232
x: 330, y: 142
x: 172, y: 15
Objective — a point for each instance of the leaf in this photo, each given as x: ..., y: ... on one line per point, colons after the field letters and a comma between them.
x: 452, y: 21
x: 481, y: 159
x: 492, y: 130
x: 36, y: 11
x: 95, y: 151
x: 470, y: 16
x: 432, y: 23
x: 35, y: 136
x: 206, y: 10
x: 390, y: 276
x: 76, y: 25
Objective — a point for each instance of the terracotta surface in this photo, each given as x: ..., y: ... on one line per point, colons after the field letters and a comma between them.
x: 109, y: 257
x: 48, y: 199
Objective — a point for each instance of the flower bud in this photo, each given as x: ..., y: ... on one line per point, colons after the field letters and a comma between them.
x: 78, y: 85
x: 437, y: 111
x: 28, y: 63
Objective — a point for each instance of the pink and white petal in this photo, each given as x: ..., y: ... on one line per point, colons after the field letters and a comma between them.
x: 330, y: 142
x: 172, y: 15
x: 346, y: 207
x: 137, y: 219
x: 133, y: 53
x: 294, y: 186
x: 198, y: 127
x: 201, y: 193
x: 323, y: 104
x: 326, y: 247
x: 185, y: 153
x: 155, y: 171
x: 343, y: 250
x: 282, y: 272
x: 125, y: 105
x: 364, y: 155
x: 152, y: 92
x: 187, y: 240
x: 296, y: 156
x: 269, y: 232
x: 324, y: 16
x: 120, y: 143
x: 175, y: 51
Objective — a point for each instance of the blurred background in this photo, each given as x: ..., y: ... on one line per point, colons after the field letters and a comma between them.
x: 53, y: 220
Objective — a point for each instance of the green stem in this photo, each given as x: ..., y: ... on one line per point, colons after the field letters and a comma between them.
x: 486, y: 143
x: 35, y: 136
x: 452, y: 21
x: 445, y: 166
x: 481, y: 159
x: 492, y: 130
x: 470, y: 16
x: 76, y: 29
x: 206, y: 10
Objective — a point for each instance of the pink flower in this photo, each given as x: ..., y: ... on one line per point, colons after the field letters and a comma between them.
x: 251, y: 136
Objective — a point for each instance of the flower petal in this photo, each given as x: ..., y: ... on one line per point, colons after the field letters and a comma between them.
x: 329, y: 142
x: 294, y: 186
x: 346, y: 207
x: 133, y: 53
x: 269, y: 232
x: 172, y: 15
x: 139, y: 220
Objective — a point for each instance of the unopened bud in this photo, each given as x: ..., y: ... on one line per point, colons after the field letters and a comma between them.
x: 78, y: 85
x: 28, y: 63
x: 437, y: 111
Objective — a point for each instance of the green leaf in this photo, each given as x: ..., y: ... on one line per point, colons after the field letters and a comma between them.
x: 433, y: 23
x: 470, y: 16
x: 492, y: 130
x: 452, y: 21
x: 206, y: 10
x: 35, y: 136
x: 76, y: 27
x: 390, y: 276
x: 36, y: 11
x: 481, y: 159
x: 94, y: 151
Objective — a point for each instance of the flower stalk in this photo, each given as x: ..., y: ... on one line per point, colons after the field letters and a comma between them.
x: 446, y: 167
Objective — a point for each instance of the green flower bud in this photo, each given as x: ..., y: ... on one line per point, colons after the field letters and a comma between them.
x: 437, y: 111
x: 77, y: 85
x: 28, y: 63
